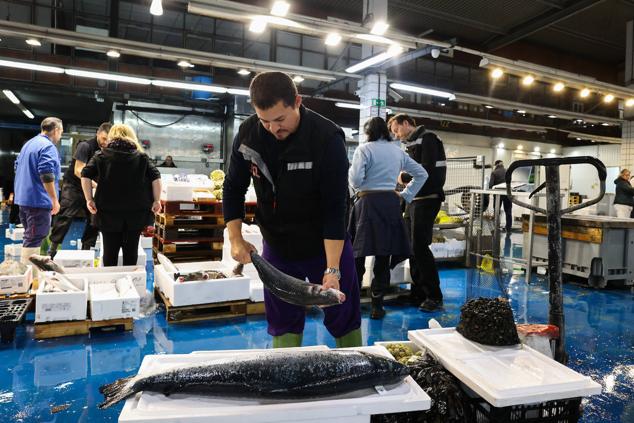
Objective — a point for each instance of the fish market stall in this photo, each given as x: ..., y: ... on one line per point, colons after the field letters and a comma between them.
x: 352, y: 407
x: 597, y: 248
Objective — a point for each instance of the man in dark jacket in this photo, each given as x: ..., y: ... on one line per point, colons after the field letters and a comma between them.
x: 427, y: 149
x: 623, y: 195
x: 498, y: 177
x: 72, y: 201
x: 298, y: 163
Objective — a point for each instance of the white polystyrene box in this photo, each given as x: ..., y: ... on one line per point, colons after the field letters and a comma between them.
x: 61, y: 306
x: 202, y: 292
x: 256, y: 291
x: 17, y: 234
x: 456, y: 248
x: 397, y: 275
x: 106, y: 303
x: 177, y: 191
x: 356, y: 407
x: 146, y: 242
x: 250, y: 233
x: 18, y: 284
x: 75, y: 258
x: 407, y: 277
x: 140, y: 261
x: 13, y: 250
x: 94, y: 275
x: 439, y: 249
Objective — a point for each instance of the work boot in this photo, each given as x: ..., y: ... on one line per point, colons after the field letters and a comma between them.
x: 430, y: 305
x: 24, y: 259
x: 288, y: 340
x: 377, y: 312
x: 350, y: 339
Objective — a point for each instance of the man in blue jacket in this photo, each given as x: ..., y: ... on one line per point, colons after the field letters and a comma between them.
x: 37, y: 175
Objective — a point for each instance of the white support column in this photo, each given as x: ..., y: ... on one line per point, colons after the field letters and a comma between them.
x: 373, y: 87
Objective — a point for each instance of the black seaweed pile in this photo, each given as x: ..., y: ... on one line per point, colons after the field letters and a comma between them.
x: 448, y: 401
x: 488, y: 321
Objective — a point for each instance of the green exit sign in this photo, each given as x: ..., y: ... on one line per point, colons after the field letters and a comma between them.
x: 377, y: 102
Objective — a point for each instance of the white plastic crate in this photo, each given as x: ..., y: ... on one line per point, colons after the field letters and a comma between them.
x: 18, y: 284
x: 75, y: 258
x: 205, y: 291
x: 16, y: 234
x: 439, y: 249
x: 12, y: 250
x: 107, y: 303
x: 95, y: 275
x: 61, y: 306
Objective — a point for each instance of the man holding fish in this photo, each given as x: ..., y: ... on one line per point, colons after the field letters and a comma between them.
x: 298, y: 163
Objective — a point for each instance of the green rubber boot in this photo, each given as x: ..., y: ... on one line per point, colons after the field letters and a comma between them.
x: 288, y: 340
x: 350, y: 339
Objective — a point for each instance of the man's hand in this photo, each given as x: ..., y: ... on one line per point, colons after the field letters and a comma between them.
x: 92, y: 207
x: 156, y: 207
x: 55, y: 208
x: 241, y: 249
x: 400, y: 178
x: 330, y: 280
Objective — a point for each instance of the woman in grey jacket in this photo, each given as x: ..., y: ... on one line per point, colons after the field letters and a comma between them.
x: 624, y: 195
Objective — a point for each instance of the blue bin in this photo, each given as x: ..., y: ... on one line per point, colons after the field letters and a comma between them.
x: 202, y: 95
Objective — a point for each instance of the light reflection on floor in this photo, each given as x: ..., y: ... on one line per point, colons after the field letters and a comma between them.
x: 38, y: 375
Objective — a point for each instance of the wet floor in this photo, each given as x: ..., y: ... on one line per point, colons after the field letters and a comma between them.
x: 64, y: 374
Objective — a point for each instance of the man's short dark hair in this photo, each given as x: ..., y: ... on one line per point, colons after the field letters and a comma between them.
x: 49, y: 124
x: 498, y: 162
x: 268, y: 88
x: 104, y: 127
x: 376, y: 129
x: 400, y: 118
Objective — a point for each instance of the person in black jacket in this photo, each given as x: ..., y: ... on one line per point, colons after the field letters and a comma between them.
x: 169, y: 162
x: 624, y: 195
x: 298, y: 162
x: 498, y: 177
x: 427, y: 149
x: 72, y: 201
x: 128, y: 189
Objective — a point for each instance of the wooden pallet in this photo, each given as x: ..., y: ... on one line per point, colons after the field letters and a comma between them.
x: 255, y: 308
x: 192, y: 207
x: 186, y: 221
x: 191, y: 233
x: 201, y: 312
x: 79, y: 327
x: 183, y: 246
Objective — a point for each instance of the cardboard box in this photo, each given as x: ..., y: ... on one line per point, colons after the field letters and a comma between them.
x: 95, y: 275
x: 106, y: 302
x: 75, y: 258
x: 61, y: 306
x: 202, y: 292
x: 18, y: 284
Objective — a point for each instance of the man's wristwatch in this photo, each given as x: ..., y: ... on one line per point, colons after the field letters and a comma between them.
x: 333, y: 271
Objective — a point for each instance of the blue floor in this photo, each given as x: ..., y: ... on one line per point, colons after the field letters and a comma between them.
x: 39, y: 375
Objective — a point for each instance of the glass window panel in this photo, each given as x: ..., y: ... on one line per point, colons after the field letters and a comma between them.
x: 288, y: 39
x: 290, y: 56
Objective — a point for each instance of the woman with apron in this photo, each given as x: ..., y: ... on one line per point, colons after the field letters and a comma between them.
x: 376, y: 222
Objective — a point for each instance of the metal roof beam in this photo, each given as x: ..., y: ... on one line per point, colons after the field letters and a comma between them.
x: 544, y: 20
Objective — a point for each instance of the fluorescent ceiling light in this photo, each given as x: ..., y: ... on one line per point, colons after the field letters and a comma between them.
x: 349, y: 105
x: 578, y: 139
x: 156, y: 8
x: 497, y: 73
x: 521, y: 112
x: 333, y: 39
x: 280, y: 8
x: 528, y: 80
x: 608, y: 98
x: 520, y: 147
x: 379, y: 28
x: 374, y: 38
x: 584, y: 93
x: 488, y: 106
x: 9, y: 94
x: 393, y: 51
x: 258, y: 25
x: 558, y: 87
x: 239, y: 91
x: 501, y: 145
x: 28, y: 113
x: 422, y: 90
x: 113, y: 53
x: 297, y: 79
x: 629, y: 102
x: 553, y: 151
x: 185, y: 64
x: 108, y: 76
x: 536, y: 149
x: 30, y: 66
x: 244, y: 72
x: 189, y: 86
x: 33, y: 42
x: 552, y: 116
x: 605, y: 124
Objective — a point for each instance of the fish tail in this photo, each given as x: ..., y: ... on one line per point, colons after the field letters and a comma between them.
x: 117, y: 391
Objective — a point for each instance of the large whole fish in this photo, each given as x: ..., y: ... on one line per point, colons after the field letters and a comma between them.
x: 293, y: 290
x: 45, y: 263
x: 282, y: 375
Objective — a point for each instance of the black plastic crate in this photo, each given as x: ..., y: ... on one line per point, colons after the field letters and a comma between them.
x: 558, y: 411
x: 12, y: 313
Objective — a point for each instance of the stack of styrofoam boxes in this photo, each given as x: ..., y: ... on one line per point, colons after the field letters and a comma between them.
x: 75, y: 258
x: 15, y: 234
x: 141, y: 259
x: 109, y: 275
x: 455, y: 248
x: 172, y: 190
x: 117, y: 300
x: 208, y: 291
x: 397, y: 275
x: 16, y: 284
x: 439, y: 249
x: 252, y: 234
x: 13, y: 252
x: 61, y: 306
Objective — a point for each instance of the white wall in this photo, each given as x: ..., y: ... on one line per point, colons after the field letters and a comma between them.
x: 583, y: 178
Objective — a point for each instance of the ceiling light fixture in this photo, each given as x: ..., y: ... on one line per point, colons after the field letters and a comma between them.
x: 521, y: 112
x: 280, y: 8
x: 520, y: 147
x: 379, y: 28
x: 497, y: 73
x: 244, y: 72
x: 258, y: 25
x: 333, y: 39
x: 501, y: 145
x: 33, y: 42
x: 298, y: 79
x: 30, y: 66
x: 349, y: 105
x: 113, y: 53
x: 488, y: 106
x: 185, y: 64
x: 393, y: 51
x: 605, y: 124
x: 189, y: 86
x: 108, y: 76
x: 422, y: 90
x: 629, y: 102
x: 553, y: 151
x: 239, y: 91
x: 528, y: 80
x: 558, y: 87
x: 9, y: 94
x: 608, y: 98
x: 552, y: 116
x: 28, y: 113
x: 584, y: 93
x: 156, y: 8
x: 578, y: 139
x: 537, y: 149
